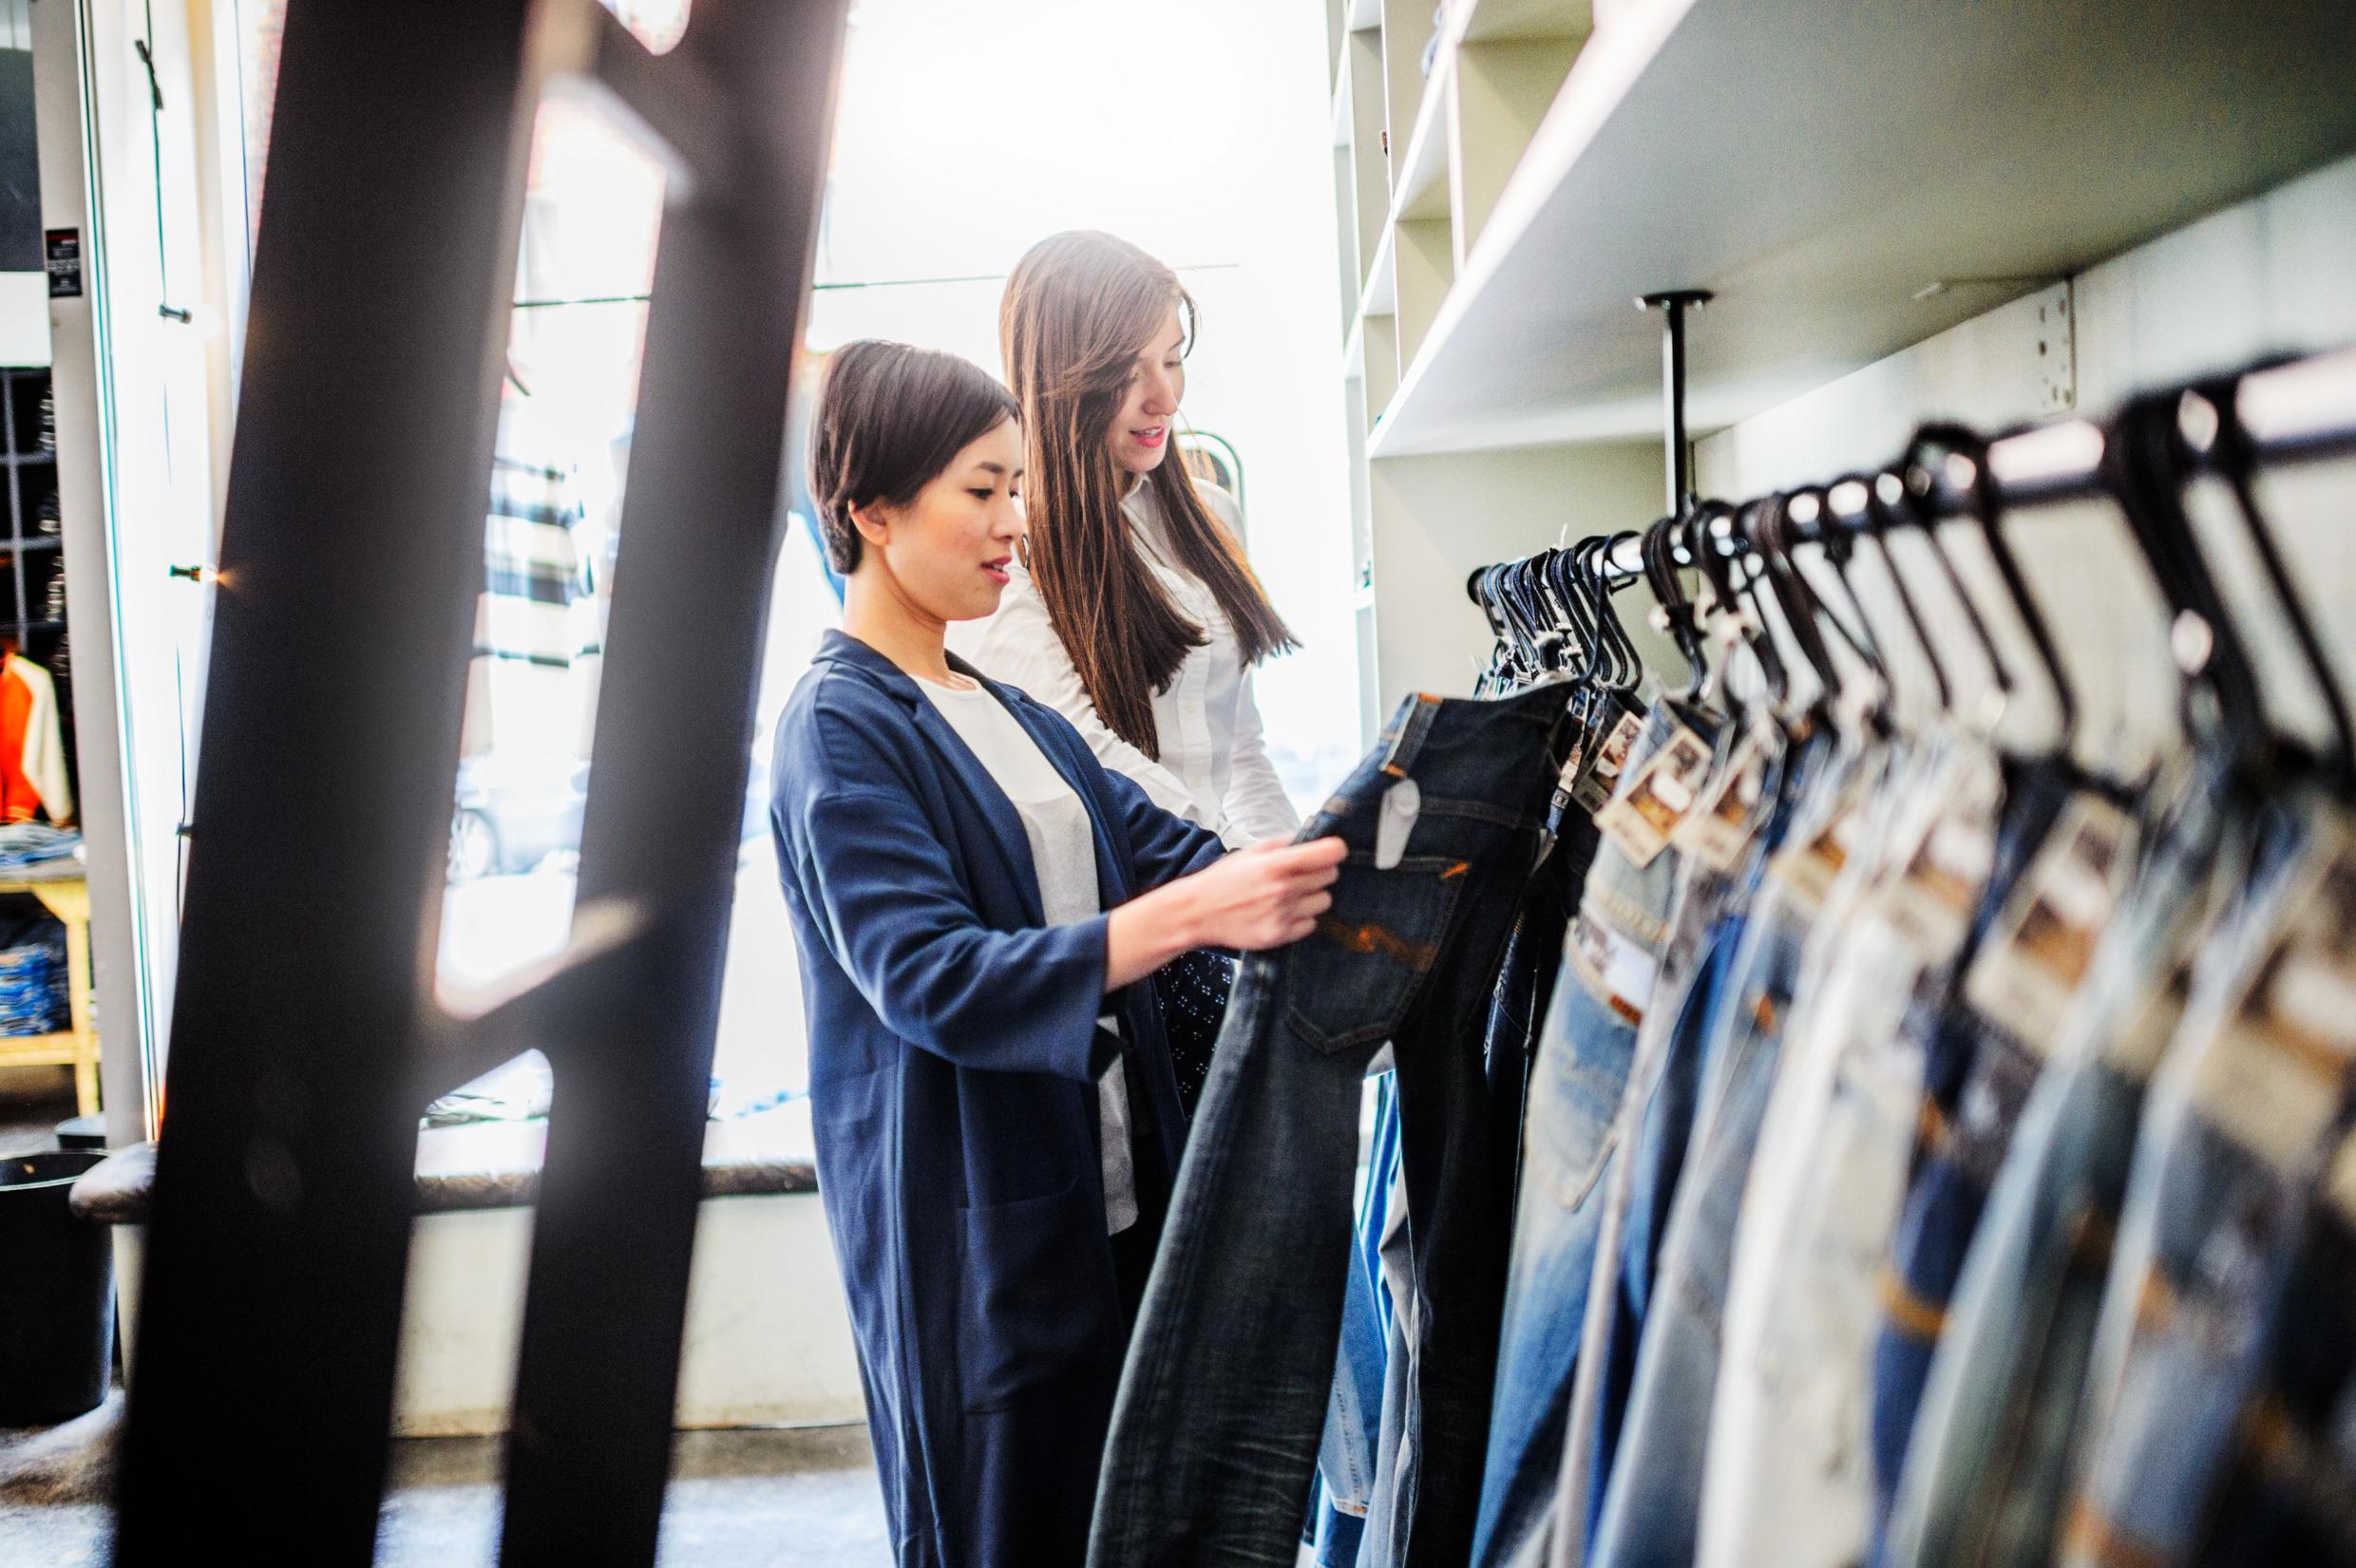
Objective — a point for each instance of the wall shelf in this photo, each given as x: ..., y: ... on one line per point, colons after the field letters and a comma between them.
x: 1418, y: 170
x: 1849, y: 181
x: 1821, y: 174
x: 1491, y: 21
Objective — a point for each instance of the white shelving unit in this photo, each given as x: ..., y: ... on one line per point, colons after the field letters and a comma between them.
x: 1848, y: 180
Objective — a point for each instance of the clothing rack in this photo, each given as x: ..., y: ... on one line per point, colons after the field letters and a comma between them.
x: 2298, y: 411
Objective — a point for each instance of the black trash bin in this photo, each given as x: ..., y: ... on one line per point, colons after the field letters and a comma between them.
x: 57, y: 1295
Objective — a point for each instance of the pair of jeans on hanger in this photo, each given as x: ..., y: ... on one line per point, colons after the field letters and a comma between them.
x: 1608, y: 966
x: 1527, y: 983
x: 1976, y: 1076
x: 1223, y: 1396
x: 2243, y: 1147
x: 1640, y: 1472
x: 1787, y: 1452
x: 1985, y: 1464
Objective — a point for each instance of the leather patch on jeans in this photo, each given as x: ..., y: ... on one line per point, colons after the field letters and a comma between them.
x: 1371, y: 938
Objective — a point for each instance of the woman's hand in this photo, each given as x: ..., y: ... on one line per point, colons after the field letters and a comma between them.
x: 1255, y: 898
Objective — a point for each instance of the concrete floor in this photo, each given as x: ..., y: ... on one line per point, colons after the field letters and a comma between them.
x: 738, y: 1499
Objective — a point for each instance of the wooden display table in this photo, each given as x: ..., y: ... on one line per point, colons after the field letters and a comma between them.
x: 65, y: 888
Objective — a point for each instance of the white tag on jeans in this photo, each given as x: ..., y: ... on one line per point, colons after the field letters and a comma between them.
x: 1402, y: 803
x: 1641, y: 820
x: 2043, y: 942
x: 2275, y: 1075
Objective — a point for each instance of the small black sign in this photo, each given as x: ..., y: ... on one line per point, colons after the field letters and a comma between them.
x: 64, y: 247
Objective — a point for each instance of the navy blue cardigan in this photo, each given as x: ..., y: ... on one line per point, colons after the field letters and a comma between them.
x: 954, y: 1054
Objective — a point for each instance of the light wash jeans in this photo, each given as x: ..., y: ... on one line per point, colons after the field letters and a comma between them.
x: 1787, y: 1447
x: 1984, y: 1470
x: 2236, y: 1141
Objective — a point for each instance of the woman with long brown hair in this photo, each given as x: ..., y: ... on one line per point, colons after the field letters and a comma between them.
x: 976, y: 902
x: 1133, y: 612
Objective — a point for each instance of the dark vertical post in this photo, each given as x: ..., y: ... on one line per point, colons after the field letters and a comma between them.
x: 349, y: 565
x: 1678, y: 456
x: 351, y: 557
x: 596, y: 1385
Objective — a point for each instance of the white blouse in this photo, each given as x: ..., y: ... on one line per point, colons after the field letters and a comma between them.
x: 1214, y: 768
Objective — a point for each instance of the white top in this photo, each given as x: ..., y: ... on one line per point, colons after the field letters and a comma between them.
x: 1214, y: 768
x: 1063, y: 855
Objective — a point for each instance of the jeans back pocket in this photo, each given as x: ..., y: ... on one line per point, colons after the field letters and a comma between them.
x: 1351, y: 981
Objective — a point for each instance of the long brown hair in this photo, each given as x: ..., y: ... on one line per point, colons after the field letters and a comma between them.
x: 1077, y: 309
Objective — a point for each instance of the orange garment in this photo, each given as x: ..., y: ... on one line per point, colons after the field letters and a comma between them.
x: 32, y: 747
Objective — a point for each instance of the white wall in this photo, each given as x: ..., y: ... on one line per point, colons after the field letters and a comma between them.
x: 1438, y: 518
x: 2273, y: 274
x: 768, y: 1341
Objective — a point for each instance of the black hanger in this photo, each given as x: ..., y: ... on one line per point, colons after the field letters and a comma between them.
x: 1740, y: 594
x: 1569, y: 595
x: 1771, y: 535
x: 2233, y: 456
x: 1922, y: 478
x: 1878, y: 529
x: 1628, y: 665
x: 1833, y: 543
x: 2145, y: 466
x: 1676, y: 614
x: 1499, y: 675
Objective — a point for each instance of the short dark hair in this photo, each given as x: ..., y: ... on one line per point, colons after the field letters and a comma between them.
x: 891, y: 418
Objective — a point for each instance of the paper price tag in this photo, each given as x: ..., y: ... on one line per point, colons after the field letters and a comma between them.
x: 1930, y: 902
x: 2274, y: 1077
x: 2042, y: 943
x: 1720, y: 822
x: 1594, y: 787
x: 1613, y: 968
x: 1642, y: 818
x: 1807, y: 868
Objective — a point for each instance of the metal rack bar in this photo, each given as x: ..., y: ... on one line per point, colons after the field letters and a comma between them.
x: 2303, y: 411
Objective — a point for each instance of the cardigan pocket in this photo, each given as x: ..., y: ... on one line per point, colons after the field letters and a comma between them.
x: 1037, y: 1302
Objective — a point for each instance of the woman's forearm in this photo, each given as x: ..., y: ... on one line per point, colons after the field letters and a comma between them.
x: 1251, y: 900
x: 1147, y: 933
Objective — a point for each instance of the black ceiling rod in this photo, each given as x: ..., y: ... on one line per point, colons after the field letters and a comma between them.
x: 1677, y: 454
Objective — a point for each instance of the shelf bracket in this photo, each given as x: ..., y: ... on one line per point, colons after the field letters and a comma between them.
x: 1677, y: 455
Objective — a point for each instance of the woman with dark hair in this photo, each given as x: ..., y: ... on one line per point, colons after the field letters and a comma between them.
x: 975, y: 900
x: 1131, y: 612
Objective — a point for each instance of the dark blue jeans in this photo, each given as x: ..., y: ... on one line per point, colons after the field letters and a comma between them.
x: 1223, y: 1396
x: 2289, y: 1492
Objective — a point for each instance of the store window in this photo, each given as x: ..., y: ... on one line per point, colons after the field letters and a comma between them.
x: 912, y: 247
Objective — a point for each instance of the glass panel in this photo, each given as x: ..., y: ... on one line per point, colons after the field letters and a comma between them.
x: 593, y: 211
